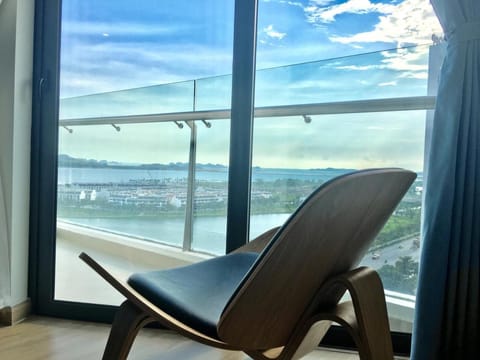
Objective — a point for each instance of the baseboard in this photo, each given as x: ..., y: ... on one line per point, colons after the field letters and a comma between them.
x: 11, y: 315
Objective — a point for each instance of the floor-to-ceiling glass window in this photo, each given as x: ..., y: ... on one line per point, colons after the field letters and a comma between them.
x: 137, y: 188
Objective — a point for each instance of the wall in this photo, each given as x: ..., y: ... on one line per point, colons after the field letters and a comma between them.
x: 16, y: 58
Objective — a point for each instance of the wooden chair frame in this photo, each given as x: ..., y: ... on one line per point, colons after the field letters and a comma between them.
x: 365, y: 317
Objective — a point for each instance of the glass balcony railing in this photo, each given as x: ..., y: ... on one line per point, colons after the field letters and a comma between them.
x: 361, y: 111
x: 154, y: 197
x: 396, y: 73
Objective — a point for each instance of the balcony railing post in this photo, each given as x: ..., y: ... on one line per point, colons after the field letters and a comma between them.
x: 192, y: 160
x: 189, y: 206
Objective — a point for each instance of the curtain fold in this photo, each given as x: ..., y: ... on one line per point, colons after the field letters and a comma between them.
x: 4, y: 253
x: 447, y: 315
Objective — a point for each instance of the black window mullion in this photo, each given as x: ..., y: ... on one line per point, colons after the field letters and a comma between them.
x: 241, y: 126
x: 44, y: 152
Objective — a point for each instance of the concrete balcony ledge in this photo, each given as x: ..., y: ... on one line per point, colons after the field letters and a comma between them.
x: 123, y: 255
x: 401, y: 308
x: 147, y: 253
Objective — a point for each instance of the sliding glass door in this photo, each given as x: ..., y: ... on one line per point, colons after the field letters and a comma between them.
x: 132, y: 153
x: 132, y: 190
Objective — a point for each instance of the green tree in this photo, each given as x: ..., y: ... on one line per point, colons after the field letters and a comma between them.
x: 402, y: 277
x: 406, y: 266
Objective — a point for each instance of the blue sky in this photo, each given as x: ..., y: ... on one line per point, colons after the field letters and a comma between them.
x: 158, y: 42
x: 112, y: 45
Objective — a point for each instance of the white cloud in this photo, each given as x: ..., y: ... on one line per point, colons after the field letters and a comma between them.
x: 321, y: 2
x: 138, y: 65
x: 292, y: 3
x: 272, y: 33
x: 388, y: 83
x: 421, y: 75
x: 408, y: 22
x: 298, y: 3
x: 318, y: 12
x: 358, y: 67
x: 408, y: 62
x: 117, y: 28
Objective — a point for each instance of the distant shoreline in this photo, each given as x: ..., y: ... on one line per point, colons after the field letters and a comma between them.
x: 66, y: 161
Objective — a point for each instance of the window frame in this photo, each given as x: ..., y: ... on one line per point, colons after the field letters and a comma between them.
x: 44, y: 144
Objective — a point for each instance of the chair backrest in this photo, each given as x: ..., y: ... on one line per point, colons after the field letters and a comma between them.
x: 326, y: 236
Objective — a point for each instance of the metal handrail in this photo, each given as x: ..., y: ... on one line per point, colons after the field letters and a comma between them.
x: 340, y: 107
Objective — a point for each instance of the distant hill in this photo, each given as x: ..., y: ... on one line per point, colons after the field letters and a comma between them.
x: 67, y: 161
x: 72, y: 162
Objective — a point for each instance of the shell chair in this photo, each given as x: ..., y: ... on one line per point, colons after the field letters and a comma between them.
x: 275, y: 297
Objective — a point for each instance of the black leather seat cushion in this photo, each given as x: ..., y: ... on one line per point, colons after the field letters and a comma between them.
x: 195, y: 294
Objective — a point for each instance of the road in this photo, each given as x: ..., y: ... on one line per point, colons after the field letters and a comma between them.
x: 390, y: 254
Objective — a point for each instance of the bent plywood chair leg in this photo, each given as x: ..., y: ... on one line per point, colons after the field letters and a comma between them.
x: 126, y: 325
x: 365, y: 317
x: 369, y: 326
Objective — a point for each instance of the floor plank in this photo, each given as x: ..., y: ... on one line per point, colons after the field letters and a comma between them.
x: 40, y: 338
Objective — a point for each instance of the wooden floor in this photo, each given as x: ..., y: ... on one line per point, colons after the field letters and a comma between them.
x: 54, y: 339
x: 40, y: 338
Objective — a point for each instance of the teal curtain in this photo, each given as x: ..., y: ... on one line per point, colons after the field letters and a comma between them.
x: 447, y: 316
